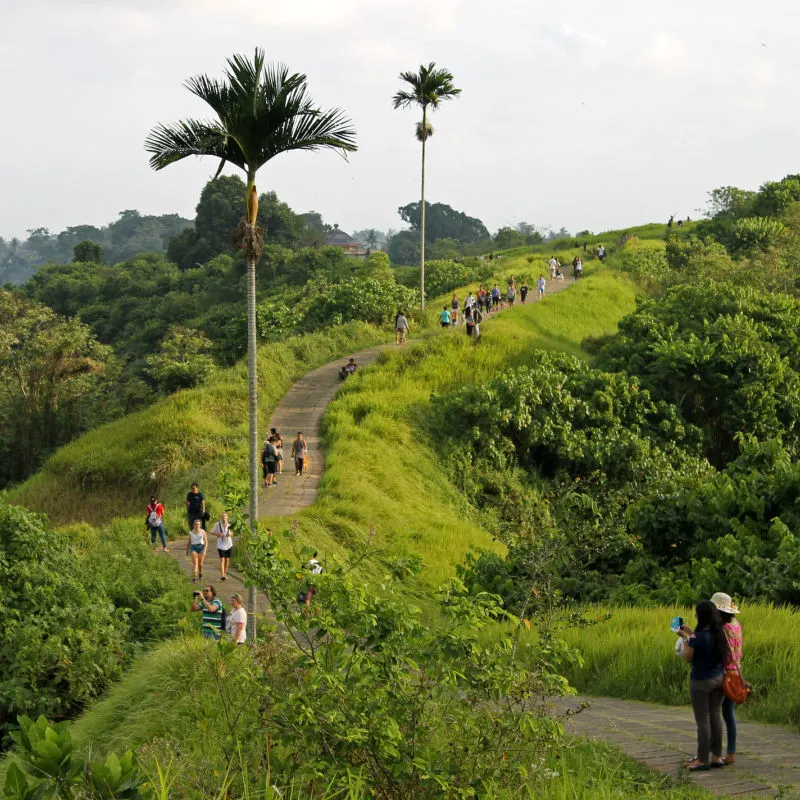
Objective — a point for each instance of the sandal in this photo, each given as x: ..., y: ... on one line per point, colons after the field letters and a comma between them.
x: 696, y: 766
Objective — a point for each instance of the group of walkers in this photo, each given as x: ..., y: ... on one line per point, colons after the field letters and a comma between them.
x: 714, y: 649
x: 272, y: 455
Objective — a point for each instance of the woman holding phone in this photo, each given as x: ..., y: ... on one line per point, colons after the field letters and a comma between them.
x: 705, y: 648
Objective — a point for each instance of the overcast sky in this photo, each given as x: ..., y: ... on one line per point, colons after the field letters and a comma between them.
x: 578, y: 113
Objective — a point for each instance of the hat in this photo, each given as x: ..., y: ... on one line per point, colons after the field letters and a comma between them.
x: 724, y: 603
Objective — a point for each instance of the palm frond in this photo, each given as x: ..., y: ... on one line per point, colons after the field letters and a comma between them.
x: 171, y: 143
x: 428, y: 87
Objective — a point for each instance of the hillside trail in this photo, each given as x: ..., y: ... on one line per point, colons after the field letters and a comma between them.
x: 663, y: 737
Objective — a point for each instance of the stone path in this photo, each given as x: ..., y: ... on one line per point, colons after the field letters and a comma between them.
x: 663, y: 737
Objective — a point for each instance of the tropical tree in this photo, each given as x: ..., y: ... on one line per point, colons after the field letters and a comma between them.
x: 428, y: 88
x: 261, y: 111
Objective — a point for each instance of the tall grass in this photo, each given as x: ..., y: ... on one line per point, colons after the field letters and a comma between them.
x: 632, y: 656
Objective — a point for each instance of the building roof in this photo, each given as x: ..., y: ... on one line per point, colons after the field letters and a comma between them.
x: 338, y: 237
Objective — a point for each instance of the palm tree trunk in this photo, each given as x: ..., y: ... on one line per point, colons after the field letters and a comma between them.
x: 422, y: 210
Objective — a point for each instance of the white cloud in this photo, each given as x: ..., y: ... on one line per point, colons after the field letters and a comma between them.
x: 667, y: 55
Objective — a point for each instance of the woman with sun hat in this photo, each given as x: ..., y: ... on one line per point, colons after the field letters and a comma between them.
x: 730, y: 663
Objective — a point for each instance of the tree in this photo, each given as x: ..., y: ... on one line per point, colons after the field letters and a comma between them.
x: 506, y: 238
x: 429, y: 87
x: 88, y: 252
x: 184, y: 360
x: 262, y: 111
x: 444, y: 222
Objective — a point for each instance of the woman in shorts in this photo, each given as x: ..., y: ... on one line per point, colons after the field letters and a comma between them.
x: 222, y: 530
x: 400, y: 328
x: 197, y: 545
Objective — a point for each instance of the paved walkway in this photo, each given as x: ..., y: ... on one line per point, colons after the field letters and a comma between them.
x: 663, y: 737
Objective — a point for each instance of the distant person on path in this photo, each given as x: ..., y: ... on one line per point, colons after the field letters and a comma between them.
x: 238, y: 620
x: 195, y: 506
x: 477, y: 318
x: 279, y: 447
x: 299, y: 453
x: 601, y: 252
x: 483, y: 298
x: 154, y: 520
x: 705, y: 648
x: 454, y: 311
x: 345, y: 372
x: 444, y: 317
x: 269, y: 463
x: 523, y: 292
x: 400, y: 328
x: 197, y: 545
x: 553, y: 267
x: 577, y: 267
x: 541, y: 285
x: 495, y: 297
x: 222, y: 530
x: 469, y: 322
x: 211, y: 621
x: 470, y: 301
x: 731, y: 662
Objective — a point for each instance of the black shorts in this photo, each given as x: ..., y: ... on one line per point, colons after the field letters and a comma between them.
x: 495, y: 301
x: 225, y: 553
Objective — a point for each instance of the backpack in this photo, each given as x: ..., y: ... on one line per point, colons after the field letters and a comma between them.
x: 153, y: 519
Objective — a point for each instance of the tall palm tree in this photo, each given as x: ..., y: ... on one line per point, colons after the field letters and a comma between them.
x: 261, y: 111
x: 428, y: 88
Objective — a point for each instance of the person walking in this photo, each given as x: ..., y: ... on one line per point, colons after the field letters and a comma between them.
x: 454, y: 311
x: 195, y: 506
x: 541, y: 285
x: 601, y: 252
x: 278, y: 442
x: 444, y: 317
x: 495, y: 297
x: 154, y: 520
x: 211, y: 621
x: 469, y: 322
x: 553, y: 263
x: 730, y: 663
x: 197, y: 545
x: 523, y: 292
x: 269, y: 462
x: 511, y: 294
x: 222, y: 530
x: 299, y: 453
x: 401, y: 328
x: 238, y: 618
x: 705, y: 648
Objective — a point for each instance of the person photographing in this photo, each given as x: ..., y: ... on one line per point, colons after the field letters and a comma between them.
x: 211, y: 608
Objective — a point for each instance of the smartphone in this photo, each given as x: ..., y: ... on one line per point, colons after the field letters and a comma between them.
x: 675, y: 624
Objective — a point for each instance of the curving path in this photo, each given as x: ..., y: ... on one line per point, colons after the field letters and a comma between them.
x: 767, y: 764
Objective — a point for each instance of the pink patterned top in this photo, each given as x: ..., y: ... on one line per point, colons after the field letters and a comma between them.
x: 733, y: 657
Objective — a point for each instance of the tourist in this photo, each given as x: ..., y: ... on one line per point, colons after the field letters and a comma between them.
x: 511, y: 294
x: 483, y: 298
x: 454, y: 311
x: 495, y: 297
x: 401, y: 328
x: 601, y: 252
x: 211, y: 621
x: 705, y: 648
x: 577, y: 267
x: 523, y: 291
x: 195, y: 506
x: 299, y: 453
x: 345, y: 372
x: 553, y: 265
x: 477, y: 318
x: 278, y: 442
x: 222, y: 530
x: 155, y: 521
x: 731, y: 663
x: 197, y: 545
x: 541, y: 285
x: 444, y: 317
x: 469, y: 322
x: 238, y: 620
x: 269, y: 463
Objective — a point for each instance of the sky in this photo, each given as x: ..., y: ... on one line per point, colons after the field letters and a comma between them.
x: 580, y: 114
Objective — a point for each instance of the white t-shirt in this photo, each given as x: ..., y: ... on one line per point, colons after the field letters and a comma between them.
x: 225, y: 538
x: 239, y: 617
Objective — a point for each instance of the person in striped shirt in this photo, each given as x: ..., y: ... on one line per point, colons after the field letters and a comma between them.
x: 206, y: 601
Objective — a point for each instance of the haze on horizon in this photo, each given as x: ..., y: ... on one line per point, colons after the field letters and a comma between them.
x: 585, y: 115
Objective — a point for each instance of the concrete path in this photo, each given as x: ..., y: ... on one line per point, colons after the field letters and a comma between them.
x: 663, y: 737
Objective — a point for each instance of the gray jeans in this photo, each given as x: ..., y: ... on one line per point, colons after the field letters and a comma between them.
x: 707, y: 706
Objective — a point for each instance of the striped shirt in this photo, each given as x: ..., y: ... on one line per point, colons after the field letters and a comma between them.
x: 212, y: 620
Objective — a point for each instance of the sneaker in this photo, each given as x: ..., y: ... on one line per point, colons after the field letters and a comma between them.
x: 201, y: 576
x: 222, y: 577
x: 194, y: 578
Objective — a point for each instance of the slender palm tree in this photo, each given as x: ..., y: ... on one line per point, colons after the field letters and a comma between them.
x: 428, y: 88
x: 261, y: 111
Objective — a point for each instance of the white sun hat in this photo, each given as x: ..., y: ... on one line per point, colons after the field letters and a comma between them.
x: 724, y: 603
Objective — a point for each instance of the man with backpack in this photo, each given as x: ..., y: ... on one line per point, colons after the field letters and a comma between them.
x: 154, y: 519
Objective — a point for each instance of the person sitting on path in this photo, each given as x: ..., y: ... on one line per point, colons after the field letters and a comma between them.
x: 197, y: 545
x: 299, y: 453
x: 348, y: 369
x: 731, y: 663
x: 211, y: 621
x: 155, y: 521
x: 222, y: 530
x: 195, y: 506
x: 401, y: 328
x: 705, y: 648
x: 541, y: 285
x: 444, y: 317
x: 238, y: 618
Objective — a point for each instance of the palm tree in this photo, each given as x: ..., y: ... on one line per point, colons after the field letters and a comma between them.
x: 261, y: 111
x: 429, y: 87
